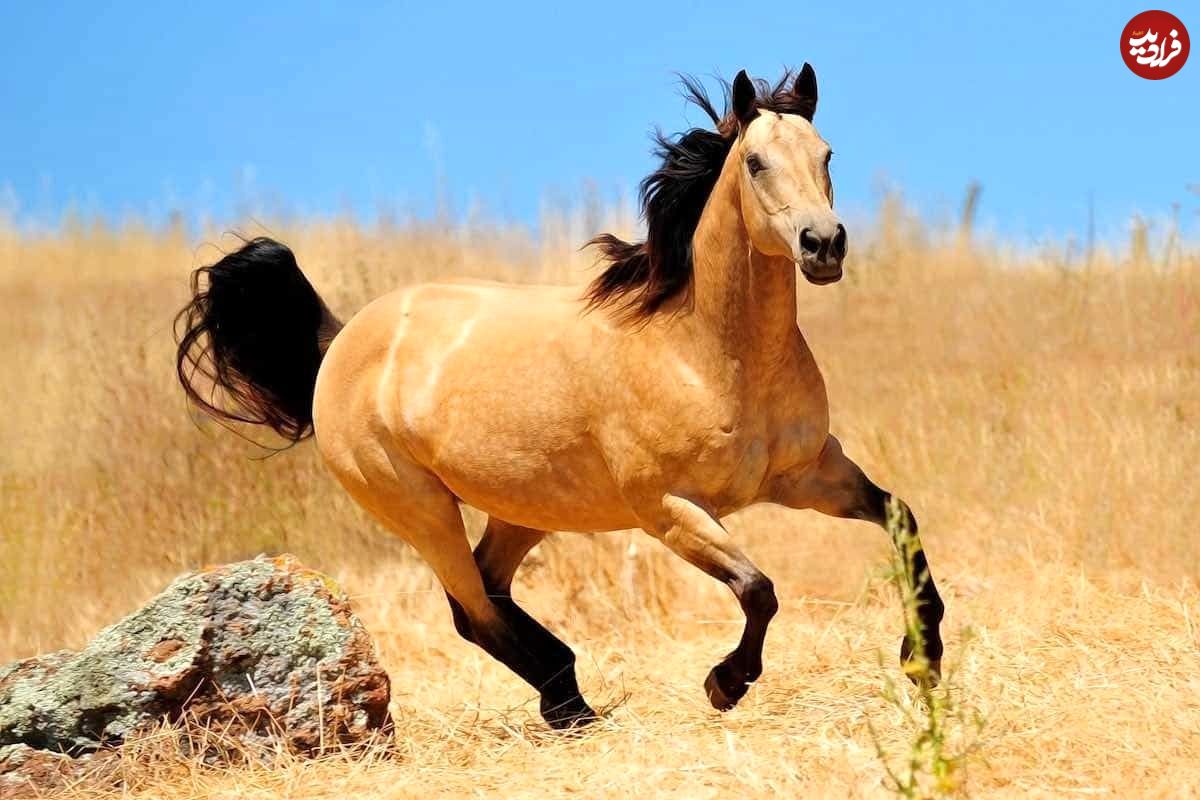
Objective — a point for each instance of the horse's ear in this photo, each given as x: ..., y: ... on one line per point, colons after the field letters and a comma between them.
x: 745, y: 99
x: 805, y: 91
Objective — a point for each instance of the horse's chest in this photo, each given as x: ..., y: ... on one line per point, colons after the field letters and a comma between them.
x: 744, y: 465
x: 735, y: 454
x: 719, y: 436
x: 722, y: 464
x: 737, y: 462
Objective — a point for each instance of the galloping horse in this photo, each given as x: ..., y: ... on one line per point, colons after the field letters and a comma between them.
x: 676, y: 391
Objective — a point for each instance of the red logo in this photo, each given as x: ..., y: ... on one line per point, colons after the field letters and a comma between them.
x: 1155, y: 45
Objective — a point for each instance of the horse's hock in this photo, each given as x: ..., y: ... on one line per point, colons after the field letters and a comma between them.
x: 266, y: 651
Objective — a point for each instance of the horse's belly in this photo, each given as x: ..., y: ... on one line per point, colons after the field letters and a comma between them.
x: 573, y: 492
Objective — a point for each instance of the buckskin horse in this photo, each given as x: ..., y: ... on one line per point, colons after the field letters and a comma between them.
x: 676, y: 390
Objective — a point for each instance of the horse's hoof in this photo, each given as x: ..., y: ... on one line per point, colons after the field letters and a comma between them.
x: 574, y: 713
x: 928, y: 673
x: 722, y: 691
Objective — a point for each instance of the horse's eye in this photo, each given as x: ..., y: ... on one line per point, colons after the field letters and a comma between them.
x: 754, y: 164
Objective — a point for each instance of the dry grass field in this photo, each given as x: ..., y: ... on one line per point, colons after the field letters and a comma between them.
x: 1041, y: 415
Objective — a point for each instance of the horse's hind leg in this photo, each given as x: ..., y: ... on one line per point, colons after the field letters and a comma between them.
x: 500, y: 551
x: 418, y: 507
x: 506, y: 632
x: 497, y: 557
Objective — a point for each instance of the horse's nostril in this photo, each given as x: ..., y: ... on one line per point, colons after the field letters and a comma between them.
x: 838, y: 246
x: 809, y: 241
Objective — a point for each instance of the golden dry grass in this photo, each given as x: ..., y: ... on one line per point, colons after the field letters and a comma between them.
x: 1041, y: 419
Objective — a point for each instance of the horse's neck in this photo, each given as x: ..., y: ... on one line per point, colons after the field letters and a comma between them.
x: 747, y: 298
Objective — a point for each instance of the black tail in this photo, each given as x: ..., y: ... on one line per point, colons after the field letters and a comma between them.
x: 255, y: 330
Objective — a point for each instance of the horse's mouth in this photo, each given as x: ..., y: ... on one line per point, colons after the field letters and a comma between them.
x: 824, y: 278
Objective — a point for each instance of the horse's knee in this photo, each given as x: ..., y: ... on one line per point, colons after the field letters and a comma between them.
x: 877, y: 505
x: 893, y: 508
x: 757, y: 597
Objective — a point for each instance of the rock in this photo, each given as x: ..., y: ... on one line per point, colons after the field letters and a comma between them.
x: 267, y: 650
x: 26, y: 772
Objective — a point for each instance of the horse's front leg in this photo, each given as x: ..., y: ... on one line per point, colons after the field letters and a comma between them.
x: 836, y: 486
x: 697, y: 536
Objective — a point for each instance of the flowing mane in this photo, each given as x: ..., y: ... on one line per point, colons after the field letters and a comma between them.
x: 642, y: 276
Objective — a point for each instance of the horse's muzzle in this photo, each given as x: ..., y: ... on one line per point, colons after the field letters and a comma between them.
x: 821, y: 256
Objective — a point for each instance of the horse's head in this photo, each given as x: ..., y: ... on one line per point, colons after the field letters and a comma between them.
x: 783, y: 173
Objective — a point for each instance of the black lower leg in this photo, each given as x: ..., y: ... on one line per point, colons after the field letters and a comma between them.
x: 543, y: 661
x: 729, y: 680
x: 562, y: 703
x: 916, y: 573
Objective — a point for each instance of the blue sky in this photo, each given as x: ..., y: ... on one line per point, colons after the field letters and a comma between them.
x: 318, y: 107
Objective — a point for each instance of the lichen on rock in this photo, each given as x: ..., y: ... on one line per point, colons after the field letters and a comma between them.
x: 267, y: 649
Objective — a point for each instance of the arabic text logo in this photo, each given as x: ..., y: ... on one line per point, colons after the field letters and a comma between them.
x: 1155, y: 45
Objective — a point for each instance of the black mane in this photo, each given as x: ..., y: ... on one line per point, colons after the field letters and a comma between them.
x: 642, y: 276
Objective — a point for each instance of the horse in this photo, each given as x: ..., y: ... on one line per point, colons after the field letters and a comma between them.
x: 673, y: 391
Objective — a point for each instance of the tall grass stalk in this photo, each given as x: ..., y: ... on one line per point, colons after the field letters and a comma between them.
x: 943, y: 730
